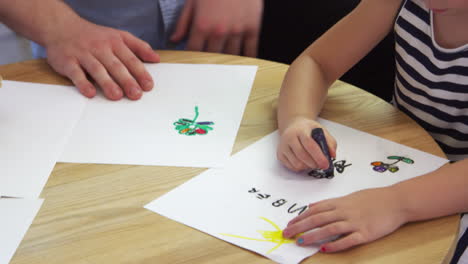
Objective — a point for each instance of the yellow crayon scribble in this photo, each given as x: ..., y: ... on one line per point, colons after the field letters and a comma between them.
x: 269, y: 236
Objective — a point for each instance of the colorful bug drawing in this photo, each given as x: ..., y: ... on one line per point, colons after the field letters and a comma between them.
x: 270, y: 236
x: 381, y: 166
x: 191, y: 127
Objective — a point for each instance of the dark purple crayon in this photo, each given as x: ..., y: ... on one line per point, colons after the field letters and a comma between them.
x: 319, y: 137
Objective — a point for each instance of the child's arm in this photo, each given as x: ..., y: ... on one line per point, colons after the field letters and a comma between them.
x: 440, y: 193
x: 367, y: 215
x: 311, y: 74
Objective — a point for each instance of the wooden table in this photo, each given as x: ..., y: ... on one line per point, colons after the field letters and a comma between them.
x: 94, y: 213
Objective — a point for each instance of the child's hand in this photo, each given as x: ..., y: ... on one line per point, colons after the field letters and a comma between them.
x: 299, y: 151
x: 358, y: 218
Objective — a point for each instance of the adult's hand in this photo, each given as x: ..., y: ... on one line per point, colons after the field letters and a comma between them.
x: 112, y: 58
x: 227, y: 26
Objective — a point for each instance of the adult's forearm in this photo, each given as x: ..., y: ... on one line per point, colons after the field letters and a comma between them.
x: 439, y: 193
x: 38, y: 20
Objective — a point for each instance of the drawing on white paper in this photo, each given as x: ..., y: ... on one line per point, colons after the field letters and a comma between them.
x: 381, y: 166
x: 275, y: 236
x: 339, y: 166
x: 253, y: 180
x: 190, y: 127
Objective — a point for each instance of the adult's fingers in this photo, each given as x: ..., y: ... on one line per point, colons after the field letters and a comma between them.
x: 141, y: 48
x: 120, y: 74
x: 183, y: 23
x: 75, y: 73
x: 197, y: 39
x: 250, y: 45
x: 97, y: 71
x: 135, y: 67
x: 233, y: 44
x: 216, y: 41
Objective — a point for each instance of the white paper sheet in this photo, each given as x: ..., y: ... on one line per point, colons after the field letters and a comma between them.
x: 36, y: 121
x: 235, y: 202
x: 142, y: 132
x: 16, y: 217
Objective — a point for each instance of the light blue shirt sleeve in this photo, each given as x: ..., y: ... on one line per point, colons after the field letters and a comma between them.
x: 150, y: 20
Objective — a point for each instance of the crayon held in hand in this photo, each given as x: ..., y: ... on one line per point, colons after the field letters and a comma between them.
x: 319, y: 137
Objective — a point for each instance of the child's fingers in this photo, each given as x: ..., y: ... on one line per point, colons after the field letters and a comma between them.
x: 301, y: 154
x: 332, y: 145
x: 313, y: 152
x: 343, y: 243
x: 296, y: 164
x: 311, y: 222
x: 314, y: 208
x: 325, y: 232
x: 284, y: 160
x: 300, y: 217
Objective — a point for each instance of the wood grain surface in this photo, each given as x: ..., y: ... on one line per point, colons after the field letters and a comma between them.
x: 94, y: 213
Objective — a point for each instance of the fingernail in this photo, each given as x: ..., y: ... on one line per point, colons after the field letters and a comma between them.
x: 300, y: 241
x: 89, y: 92
x: 285, y: 233
x: 135, y: 91
x: 147, y: 85
x: 117, y: 93
x: 323, y: 249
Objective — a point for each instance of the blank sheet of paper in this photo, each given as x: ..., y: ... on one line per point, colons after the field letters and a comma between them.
x: 250, y: 201
x: 206, y: 100
x: 16, y: 217
x: 36, y: 121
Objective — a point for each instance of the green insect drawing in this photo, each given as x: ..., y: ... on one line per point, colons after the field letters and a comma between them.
x: 275, y: 236
x: 190, y: 127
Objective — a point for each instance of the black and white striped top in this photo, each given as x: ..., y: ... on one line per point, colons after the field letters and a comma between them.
x: 431, y: 86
